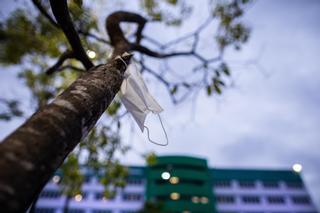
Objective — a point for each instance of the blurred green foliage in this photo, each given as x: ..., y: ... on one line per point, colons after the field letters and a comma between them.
x: 29, y: 40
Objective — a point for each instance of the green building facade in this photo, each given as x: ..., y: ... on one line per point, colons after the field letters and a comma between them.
x: 185, y: 184
x: 182, y: 184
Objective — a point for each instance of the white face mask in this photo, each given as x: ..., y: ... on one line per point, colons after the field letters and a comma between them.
x: 138, y: 101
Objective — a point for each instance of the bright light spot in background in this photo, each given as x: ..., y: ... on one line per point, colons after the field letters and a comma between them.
x: 174, y: 180
x: 78, y: 197
x: 174, y: 196
x: 91, y: 54
x: 297, y: 167
x: 195, y: 199
x: 56, y: 179
x: 204, y: 200
x: 165, y: 175
x: 186, y: 211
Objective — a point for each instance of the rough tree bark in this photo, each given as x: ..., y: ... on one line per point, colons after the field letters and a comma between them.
x: 31, y: 154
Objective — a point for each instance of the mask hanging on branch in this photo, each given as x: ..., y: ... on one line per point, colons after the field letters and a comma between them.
x: 138, y: 101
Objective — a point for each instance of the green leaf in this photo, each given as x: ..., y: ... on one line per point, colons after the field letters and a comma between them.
x: 157, y: 16
x: 209, y: 90
x: 5, y: 116
x: 78, y: 3
x: 217, y: 89
x: 174, y: 90
x: 151, y: 158
x: 113, y: 108
x: 174, y: 2
x: 225, y: 69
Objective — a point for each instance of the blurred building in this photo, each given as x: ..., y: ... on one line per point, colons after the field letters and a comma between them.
x: 185, y: 184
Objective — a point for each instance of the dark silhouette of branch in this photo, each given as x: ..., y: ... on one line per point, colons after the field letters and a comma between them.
x: 119, y: 41
x: 205, y: 77
x: 146, y: 51
x: 91, y: 35
x: 63, y: 57
x: 61, y: 13
x: 117, y: 38
x: 45, y: 13
x: 170, y: 86
x: 71, y: 67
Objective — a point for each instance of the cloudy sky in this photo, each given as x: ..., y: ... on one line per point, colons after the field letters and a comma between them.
x: 270, y: 118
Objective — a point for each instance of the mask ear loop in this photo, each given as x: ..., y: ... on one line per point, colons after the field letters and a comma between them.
x: 119, y: 57
x: 165, y: 133
x: 148, y: 131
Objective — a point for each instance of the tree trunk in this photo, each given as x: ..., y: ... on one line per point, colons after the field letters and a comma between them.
x: 31, y: 154
x: 34, y: 205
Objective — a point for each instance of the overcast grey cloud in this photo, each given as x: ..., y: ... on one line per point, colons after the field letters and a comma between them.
x: 269, y: 118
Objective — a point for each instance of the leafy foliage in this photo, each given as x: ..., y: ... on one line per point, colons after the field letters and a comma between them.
x: 41, y: 44
x: 231, y: 31
x: 170, y: 12
x: 12, y: 110
x: 72, y: 178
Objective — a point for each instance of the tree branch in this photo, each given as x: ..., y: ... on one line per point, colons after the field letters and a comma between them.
x: 63, y: 57
x: 145, y: 50
x: 91, y: 35
x: 71, y: 67
x: 61, y: 13
x: 117, y: 38
x: 45, y: 13
x: 33, y: 152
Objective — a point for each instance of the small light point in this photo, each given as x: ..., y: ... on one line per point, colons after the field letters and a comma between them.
x: 174, y: 196
x: 195, y: 199
x: 204, y: 200
x: 56, y: 179
x: 78, y: 197
x: 297, y: 167
x: 174, y: 180
x: 165, y: 175
x: 91, y: 54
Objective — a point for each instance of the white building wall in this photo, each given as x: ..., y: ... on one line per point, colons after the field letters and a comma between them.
x: 90, y: 203
x: 118, y: 205
x: 263, y: 193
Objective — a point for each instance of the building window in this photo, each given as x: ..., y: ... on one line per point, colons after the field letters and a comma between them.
x: 222, y: 184
x: 294, y: 185
x: 132, y: 197
x: 87, y: 179
x: 50, y: 194
x: 134, y: 181
x: 44, y: 210
x: 301, y: 200
x: 101, y: 211
x: 270, y: 185
x: 275, y: 199
x: 225, y: 199
x: 181, y: 181
x: 251, y: 199
x: 246, y: 184
x: 74, y: 210
x: 99, y: 196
